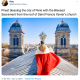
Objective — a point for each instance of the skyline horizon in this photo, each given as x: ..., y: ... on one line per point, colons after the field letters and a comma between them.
x: 34, y: 26
x: 38, y: 43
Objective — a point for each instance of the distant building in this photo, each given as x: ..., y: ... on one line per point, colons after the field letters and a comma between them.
x: 16, y: 40
x: 3, y: 44
x: 62, y: 39
x: 74, y: 46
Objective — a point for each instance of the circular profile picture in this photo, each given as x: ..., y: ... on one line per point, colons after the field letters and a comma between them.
x: 4, y: 2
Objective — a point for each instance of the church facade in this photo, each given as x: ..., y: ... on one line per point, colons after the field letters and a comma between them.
x: 16, y: 40
x: 62, y: 39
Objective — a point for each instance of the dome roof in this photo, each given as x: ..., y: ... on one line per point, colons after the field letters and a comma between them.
x: 63, y: 24
x: 16, y: 27
x: 62, y: 27
x: 16, y: 24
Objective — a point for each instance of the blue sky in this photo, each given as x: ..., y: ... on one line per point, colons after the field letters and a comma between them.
x: 34, y: 26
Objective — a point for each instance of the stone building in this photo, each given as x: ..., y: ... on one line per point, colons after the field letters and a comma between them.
x: 62, y: 39
x: 16, y: 40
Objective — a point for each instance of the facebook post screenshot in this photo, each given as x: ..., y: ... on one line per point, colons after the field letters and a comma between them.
x: 39, y: 39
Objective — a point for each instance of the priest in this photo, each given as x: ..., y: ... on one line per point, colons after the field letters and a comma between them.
x: 46, y: 60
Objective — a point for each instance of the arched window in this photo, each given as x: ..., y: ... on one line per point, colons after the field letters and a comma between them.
x: 15, y: 40
x: 64, y: 41
x: 61, y: 41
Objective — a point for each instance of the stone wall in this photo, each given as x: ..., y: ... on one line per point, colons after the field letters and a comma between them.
x: 16, y: 50
x: 62, y: 48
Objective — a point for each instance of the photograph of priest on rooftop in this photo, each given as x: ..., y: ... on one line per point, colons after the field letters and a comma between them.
x: 39, y: 46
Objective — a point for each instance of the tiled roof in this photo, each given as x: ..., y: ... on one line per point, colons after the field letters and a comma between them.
x: 26, y: 65
x: 62, y: 27
x: 16, y: 27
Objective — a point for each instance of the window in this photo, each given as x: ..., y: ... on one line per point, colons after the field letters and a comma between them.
x: 63, y: 41
x: 15, y: 41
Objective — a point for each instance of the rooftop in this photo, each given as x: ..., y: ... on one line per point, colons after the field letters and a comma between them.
x: 16, y: 27
x: 62, y: 26
x: 26, y: 65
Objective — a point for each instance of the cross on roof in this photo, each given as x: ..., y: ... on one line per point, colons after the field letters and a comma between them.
x: 17, y: 20
x: 62, y: 19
